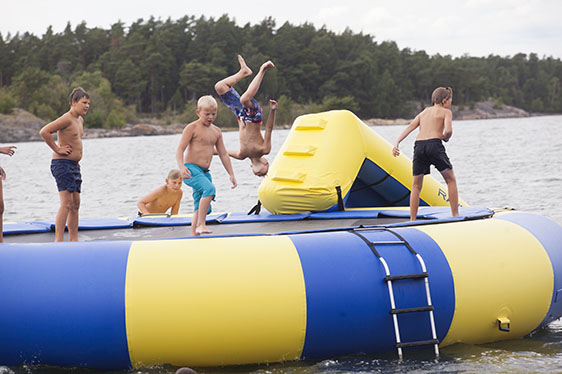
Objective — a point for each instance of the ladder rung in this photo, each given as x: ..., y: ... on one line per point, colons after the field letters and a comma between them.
x: 405, y: 276
x: 418, y: 343
x: 412, y: 310
x: 388, y: 242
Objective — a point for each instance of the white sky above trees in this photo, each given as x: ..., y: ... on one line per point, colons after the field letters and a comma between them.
x: 448, y: 27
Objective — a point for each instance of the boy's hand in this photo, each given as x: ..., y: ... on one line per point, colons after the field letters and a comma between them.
x: 8, y: 150
x: 395, y: 151
x: 65, y: 150
x: 233, y: 181
x: 2, y: 174
x: 184, y: 172
x: 272, y: 104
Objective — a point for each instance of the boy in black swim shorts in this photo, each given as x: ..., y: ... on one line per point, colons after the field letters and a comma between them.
x: 435, y: 126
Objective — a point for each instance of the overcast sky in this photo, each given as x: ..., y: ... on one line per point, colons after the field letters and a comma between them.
x: 454, y: 27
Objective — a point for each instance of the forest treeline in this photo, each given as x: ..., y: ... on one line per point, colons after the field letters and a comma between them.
x: 158, y: 68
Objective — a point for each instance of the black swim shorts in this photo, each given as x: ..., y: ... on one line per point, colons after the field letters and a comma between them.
x: 429, y: 152
x: 67, y: 174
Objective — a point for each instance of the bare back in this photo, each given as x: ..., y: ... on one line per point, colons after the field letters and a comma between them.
x: 162, y: 199
x: 433, y: 122
x: 252, y: 144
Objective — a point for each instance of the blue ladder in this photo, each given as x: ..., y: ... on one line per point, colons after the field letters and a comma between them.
x: 391, y: 278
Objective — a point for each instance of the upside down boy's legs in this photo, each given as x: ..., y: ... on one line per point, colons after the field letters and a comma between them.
x: 246, y: 98
x: 224, y: 85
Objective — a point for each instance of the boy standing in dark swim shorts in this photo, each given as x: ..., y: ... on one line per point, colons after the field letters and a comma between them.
x: 250, y: 116
x: 436, y: 126
x: 64, y: 165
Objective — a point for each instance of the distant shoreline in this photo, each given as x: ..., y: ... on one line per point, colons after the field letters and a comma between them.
x: 22, y: 126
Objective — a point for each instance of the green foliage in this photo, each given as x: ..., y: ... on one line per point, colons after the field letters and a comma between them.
x: 498, y: 103
x: 114, y: 119
x: 537, y: 105
x: 106, y: 109
x: 7, y: 102
x: 155, y: 67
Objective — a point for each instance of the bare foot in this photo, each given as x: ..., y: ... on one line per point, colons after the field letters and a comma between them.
x: 267, y: 65
x: 203, y: 230
x: 243, y: 67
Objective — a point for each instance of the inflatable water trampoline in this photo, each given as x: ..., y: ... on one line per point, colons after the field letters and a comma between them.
x: 331, y: 266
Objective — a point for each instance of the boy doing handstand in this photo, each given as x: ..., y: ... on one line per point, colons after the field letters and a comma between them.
x: 64, y: 165
x: 200, y: 138
x: 164, y: 197
x: 250, y: 116
x: 436, y: 126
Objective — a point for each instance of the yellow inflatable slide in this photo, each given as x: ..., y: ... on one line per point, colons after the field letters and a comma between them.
x: 332, y: 160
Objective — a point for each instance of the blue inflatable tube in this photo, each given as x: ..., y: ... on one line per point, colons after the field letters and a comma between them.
x: 218, y: 301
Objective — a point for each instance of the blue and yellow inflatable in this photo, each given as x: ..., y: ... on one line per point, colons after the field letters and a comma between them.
x: 255, y: 299
x: 306, y: 294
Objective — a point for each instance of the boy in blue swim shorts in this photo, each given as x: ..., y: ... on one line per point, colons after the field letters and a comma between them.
x: 194, y: 154
x: 202, y: 183
x: 64, y: 165
x: 250, y: 116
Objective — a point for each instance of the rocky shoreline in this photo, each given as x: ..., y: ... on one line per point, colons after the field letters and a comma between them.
x: 22, y: 126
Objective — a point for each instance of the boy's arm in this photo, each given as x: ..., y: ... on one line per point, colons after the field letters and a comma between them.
x: 186, y: 137
x: 269, y: 126
x: 176, y: 206
x: 147, y: 199
x: 8, y: 150
x: 231, y: 153
x: 411, y: 127
x: 47, y: 131
x: 225, y: 159
x: 448, y: 131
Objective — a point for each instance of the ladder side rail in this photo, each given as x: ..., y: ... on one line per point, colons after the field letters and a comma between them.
x: 390, y: 290
x: 429, y: 303
x: 392, y: 306
x: 427, y: 291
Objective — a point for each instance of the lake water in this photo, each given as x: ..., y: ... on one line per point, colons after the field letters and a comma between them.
x: 513, y: 163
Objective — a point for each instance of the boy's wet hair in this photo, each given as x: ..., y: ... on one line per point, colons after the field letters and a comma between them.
x: 77, y: 94
x: 440, y: 94
x: 207, y: 101
x: 174, y: 174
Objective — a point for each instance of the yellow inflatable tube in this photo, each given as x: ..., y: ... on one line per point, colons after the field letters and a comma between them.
x: 330, y: 157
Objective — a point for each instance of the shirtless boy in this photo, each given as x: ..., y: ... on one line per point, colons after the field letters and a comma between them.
x: 64, y: 165
x: 10, y: 152
x: 164, y: 197
x: 194, y: 155
x: 435, y: 126
x: 250, y: 116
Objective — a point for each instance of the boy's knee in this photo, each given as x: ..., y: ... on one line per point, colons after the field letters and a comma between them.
x: 220, y: 88
x: 246, y: 101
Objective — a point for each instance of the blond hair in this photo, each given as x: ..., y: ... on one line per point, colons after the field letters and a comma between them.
x: 174, y: 174
x: 440, y: 94
x: 206, y: 101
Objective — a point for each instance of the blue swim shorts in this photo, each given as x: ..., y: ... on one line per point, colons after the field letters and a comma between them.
x: 201, y: 183
x: 232, y: 100
x: 67, y: 174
